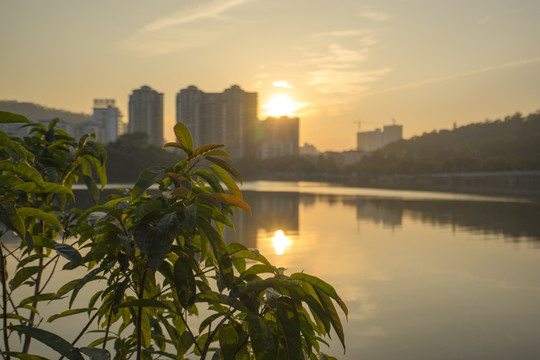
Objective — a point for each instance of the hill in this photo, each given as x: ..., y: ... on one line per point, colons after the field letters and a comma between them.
x: 510, y: 144
x: 36, y: 112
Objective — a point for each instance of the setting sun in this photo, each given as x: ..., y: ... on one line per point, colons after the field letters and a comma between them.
x: 280, y: 105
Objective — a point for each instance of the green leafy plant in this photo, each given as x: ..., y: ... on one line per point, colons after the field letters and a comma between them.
x: 169, y: 286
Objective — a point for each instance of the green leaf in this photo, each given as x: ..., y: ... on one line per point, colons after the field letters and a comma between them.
x: 231, y: 200
x: 38, y: 298
x: 68, y: 313
x: 53, y: 341
x: 333, y: 316
x: 26, y: 356
x: 69, y: 252
x: 206, y: 322
x: 24, y: 274
x: 146, y: 330
x: 323, y: 286
x: 210, y: 179
x: 147, y: 178
x: 96, y: 354
x: 262, y: 338
x: 7, y: 117
x: 184, y: 281
x: 48, y: 187
x: 218, y: 152
x: 205, y: 149
x: 228, y: 341
x: 183, y: 135
x: 39, y: 214
x: 290, y: 326
x: 163, y: 235
x: 227, y: 180
x: 228, y: 167
x: 258, y: 269
x: 153, y: 303
x: 92, y: 187
x: 22, y: 169
x: 219, y: 249
x: 12, y: 219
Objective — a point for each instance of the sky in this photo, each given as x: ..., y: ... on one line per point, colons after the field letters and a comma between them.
x: 341, y: 66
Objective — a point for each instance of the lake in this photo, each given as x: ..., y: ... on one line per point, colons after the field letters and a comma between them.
x: 425, y: 275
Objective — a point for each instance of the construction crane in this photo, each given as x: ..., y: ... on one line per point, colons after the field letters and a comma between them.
x: 359, y: 123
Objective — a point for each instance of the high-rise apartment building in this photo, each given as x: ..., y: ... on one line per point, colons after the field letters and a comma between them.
x: 279, y: 137
x: 107, y: 117
x: 227, y: 118
x: 374, y: 140
x: 146, y: 114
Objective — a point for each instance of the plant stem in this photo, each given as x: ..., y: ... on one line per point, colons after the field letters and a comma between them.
x: 28, y: 339
x: 142, y: 280
x: 5, y: 303
x: 213, y: 333
x: 83, y: 330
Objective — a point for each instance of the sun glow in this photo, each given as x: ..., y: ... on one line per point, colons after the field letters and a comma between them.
x: 280, y: 241
x: 280, y: 105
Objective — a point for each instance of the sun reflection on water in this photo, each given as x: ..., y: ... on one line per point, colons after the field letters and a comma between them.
x: 280, y: 241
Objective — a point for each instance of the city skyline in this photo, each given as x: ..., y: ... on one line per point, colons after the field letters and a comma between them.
x: 426, y: 64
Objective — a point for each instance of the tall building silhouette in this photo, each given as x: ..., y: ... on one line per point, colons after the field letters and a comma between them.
x: 146, y: 114
x: 107, y: 116
x: 374, y: 140
x: 279, y: 137
x: 228, y: 118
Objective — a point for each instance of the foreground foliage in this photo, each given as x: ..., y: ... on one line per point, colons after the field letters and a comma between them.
x: 167, y: 284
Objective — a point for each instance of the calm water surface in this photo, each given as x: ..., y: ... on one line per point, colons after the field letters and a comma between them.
x: 425, y: 275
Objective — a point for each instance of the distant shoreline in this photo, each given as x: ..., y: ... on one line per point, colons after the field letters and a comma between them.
x: 515, y: 183
x: 511, y: 183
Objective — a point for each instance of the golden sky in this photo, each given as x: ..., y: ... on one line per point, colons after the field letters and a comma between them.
x: 425, y: 63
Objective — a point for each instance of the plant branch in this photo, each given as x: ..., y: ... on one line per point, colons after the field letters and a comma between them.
x: 213, y: 333
x: 83, y: 331
x: 5, y: 304
x: 189, y: 330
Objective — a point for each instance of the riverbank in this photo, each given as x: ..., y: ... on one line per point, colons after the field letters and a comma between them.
x: 515, y: 183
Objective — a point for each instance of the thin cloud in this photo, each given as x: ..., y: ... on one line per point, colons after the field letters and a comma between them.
x: 282, y: 84
x: 343, y: 33
x: 163, y: 36
x: 512, y: 64
x: 212, y: 10
x: 374, y: 15
x: 329, y: 81
x: 338, y: 57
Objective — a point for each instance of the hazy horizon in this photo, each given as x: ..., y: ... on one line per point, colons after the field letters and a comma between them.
x: 425, y: 64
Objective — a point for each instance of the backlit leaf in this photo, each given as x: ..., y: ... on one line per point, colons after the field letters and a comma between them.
x: 183, y: 135
x: 232, y: 200
x: 39, y: 214
x: 227, y: 180
x: 226, y: 166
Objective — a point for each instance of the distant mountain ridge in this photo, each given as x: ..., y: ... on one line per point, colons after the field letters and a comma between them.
x: 36, y: 112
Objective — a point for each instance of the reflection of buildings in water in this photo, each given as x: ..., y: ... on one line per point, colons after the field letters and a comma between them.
x: 513, y: 220
x: 270, y: 212
x: 378, y: 211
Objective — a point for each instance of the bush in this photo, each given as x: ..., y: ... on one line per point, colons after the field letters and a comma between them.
x: 158, y: 258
